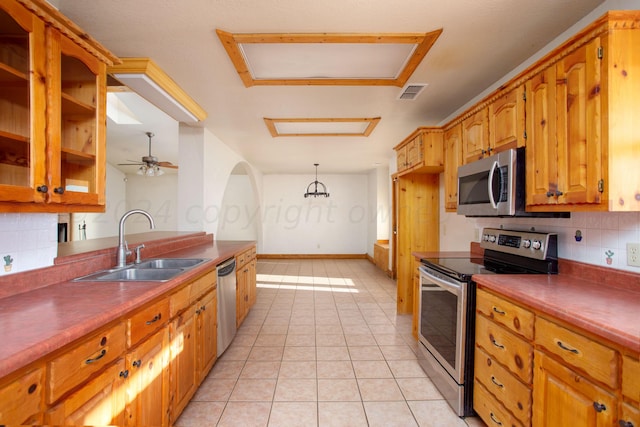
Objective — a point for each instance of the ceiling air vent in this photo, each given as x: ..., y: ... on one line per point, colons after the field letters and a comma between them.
x: 411, y: 91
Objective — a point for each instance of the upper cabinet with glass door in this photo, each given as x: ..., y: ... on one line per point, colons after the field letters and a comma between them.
x: 52, y: 112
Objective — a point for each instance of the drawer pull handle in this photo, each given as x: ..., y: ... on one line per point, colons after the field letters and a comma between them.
x: 599, y: 407
x: 125, y: 373
x: 623, y: 423
x: 496, y: 343
x: 155, y: 319
x: 500, y: 312
x: 493, y: 380
x: 565, y: 348
x: 137, y: 363
x: 98, y: 357
x: 494, y: 419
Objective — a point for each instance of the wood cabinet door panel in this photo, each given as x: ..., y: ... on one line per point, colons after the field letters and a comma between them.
x: 401, y: 158
x: 579, y: 131
x: 629, y: 414
x: 452, y: 159
x: 562, y: 397
x: 505, y: 347
x: 631, y: 378
x: 475, y: 136
x: 598, y: 361
x: 506, y: 121
x: 183, y: 360
x: 207, y: 317
x: 148, y: 383
x: 541, y: 150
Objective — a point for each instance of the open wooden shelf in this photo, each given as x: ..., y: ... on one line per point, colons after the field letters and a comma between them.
x: 71, y: 105
x: 9, y: 74
x: 77, y: 157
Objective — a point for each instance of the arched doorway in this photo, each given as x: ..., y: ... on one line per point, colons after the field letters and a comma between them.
x: 240, y: 216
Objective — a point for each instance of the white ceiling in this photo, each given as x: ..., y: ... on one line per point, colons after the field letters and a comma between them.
x: 482, y: 40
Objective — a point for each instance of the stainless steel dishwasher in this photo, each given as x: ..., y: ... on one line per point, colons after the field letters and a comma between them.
x: 226, y: 304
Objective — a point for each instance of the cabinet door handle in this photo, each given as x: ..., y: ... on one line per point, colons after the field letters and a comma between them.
x: 42, y: 188
x: 137, y: 363
x: 58, y: 190
x: 565, y: 348
x: 494, y: 419
x: 98, y: 357
x: 155, y: 319
x: 125, y: 373
x: 623, y: 423
x: 500, y: 312
x: 493, y: 380
x: 559, y: 193
x: 599, y: 407
x: 550, y: 194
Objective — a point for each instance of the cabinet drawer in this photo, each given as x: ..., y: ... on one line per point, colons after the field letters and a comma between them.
x: 490, y: 410
x: 21, y: 399
x: 514, y: 395
x: 511, y: 316
x: 631, y: 378
x: 89, y: 356
x: 505, y: 347
x: 629, y: 414
x: 147, y: 321
x: 202, y: 285
x: 598, y: 361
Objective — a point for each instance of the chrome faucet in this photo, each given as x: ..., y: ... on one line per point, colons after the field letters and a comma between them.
x: 123, y: 249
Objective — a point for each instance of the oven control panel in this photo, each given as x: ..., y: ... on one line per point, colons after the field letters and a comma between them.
x: 531, y: 244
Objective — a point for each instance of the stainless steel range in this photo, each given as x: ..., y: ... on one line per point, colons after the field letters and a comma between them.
x: 447, y: 304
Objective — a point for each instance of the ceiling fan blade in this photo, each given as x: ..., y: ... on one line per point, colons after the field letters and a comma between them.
x: 130, y: 164
x: 167, y: 165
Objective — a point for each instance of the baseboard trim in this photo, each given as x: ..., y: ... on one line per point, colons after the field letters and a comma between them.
x: 312, y: 256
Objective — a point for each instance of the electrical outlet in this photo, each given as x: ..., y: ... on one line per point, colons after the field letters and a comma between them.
x: 633, y: 254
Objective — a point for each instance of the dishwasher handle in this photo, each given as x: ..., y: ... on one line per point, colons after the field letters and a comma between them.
x: 227, y: 267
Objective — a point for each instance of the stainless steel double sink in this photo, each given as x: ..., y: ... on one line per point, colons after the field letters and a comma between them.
x: 152, y: 270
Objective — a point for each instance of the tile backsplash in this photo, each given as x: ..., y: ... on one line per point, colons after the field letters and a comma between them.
x: 602, y: 237
x: 27, y: 241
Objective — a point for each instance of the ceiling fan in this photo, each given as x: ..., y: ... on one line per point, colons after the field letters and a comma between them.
x: 150, y: 166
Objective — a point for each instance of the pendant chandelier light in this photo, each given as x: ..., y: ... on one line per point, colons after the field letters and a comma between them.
x: 315, y: 184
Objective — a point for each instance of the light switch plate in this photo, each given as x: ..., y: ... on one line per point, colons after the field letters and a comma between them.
x: 633, y: 254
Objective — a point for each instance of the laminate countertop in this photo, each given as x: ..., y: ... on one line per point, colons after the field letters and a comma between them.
x: 39, y: 321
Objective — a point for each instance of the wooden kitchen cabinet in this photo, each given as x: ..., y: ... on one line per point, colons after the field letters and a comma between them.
x: 21, y: 400
x: 183, y: 361
x: 507, y: 121
x: 582, y: 147
x: 503, y: 360
x: 206, y: 333
x: 52, y: 112
x: 147, y: 402
x: 421, y: 152
x: 452, y: 159
x: 475, y: 136
x: 563, y: 397
x: 245, y: 284
x: 100, y: 401
x: 631, y: 378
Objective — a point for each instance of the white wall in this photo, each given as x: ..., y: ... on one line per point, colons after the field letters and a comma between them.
x: 240, y: 214
x: 104, y: 224
x: 157, y: 195
x: 293, y: 224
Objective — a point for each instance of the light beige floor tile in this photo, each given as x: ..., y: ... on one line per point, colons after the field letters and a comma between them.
x: 406, y: 369
x: 296, y: 390
x: 294, y: 414
x: 248, y: 330
x: 245, y: 339
x: 301, y: 340
x: 388, y: 339
x: 249, y: 414
x: 390, y: 414
x: 326, y: 327
x: 200, y: 414
x: 236, y: 352
x: 418, y: 389
x: 338, y: 390
x: 376, y: 389
x: 299, y: 353
x: 266, y: 353
x: 253, y: 390
x: 397, y: 352
x: 297, y: 328
x: 330, y: 340
x: 341, y: 414
x: 371, y: 369
x: 360, y: 339
x: 213, y: 389
x: 335, y: 369
x: 227, y: 369
x: 298, y: 369
x: 365, y: 352
x: 435, y: 413
x: 270, y: 340
x: 256, y: 369
x: 332, y: 353
x: 275, y: 329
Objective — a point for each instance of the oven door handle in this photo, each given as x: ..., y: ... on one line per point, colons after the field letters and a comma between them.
x: 455, y: 289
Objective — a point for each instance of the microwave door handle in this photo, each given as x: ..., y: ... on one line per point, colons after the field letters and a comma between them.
x: 494, y: 166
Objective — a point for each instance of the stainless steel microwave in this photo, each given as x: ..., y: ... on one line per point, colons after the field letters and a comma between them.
x: 495, y: 186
